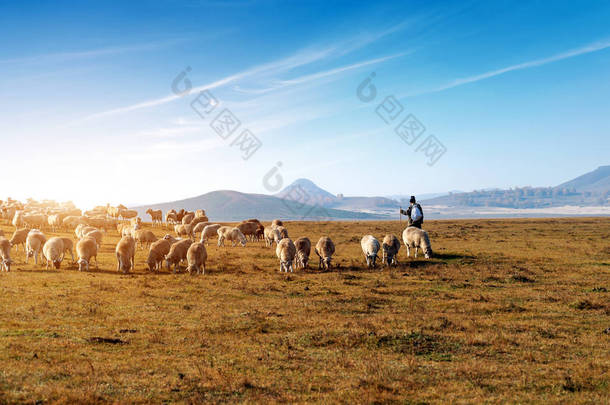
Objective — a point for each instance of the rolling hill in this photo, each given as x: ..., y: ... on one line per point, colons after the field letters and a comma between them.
x: 228, y: 205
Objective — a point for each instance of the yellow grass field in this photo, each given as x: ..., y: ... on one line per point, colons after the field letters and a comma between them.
x: 511, y: 311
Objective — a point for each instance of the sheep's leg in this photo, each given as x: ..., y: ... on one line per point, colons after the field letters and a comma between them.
x: 408, y: 251
x: 416, y: 252
x: 118, y: 262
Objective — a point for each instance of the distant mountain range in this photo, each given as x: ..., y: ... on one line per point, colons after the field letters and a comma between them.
x: 304, y: 200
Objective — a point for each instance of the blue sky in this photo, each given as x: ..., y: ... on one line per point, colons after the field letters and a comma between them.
x: 517, y: 93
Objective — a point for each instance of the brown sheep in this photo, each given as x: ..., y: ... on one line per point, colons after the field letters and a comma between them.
x: 248, y: 229
x: 177, y: 253
x: 125, y: 254
x: 156, y: 254
x: 19, y: 237
x: 198, y: 220
x: 200, y: 213
x: 156, y: 216
x: 390, y: 246
x: 303, y: 246
x: 196, y: 257
x: 171, y: 217
x: 128, y: 214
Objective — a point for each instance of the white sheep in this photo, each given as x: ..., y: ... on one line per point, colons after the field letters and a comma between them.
x: 414, y: 237
x: 232, y: 234
x: 271, y: 235
x: 303, y: 246
x: 33, y: 244
x: 209, y: 231
x: 125, y: 254
x: 196, y: 257
x: 86, y: 250
x: 5, y: 254
x: 286, y: 252
x: 370, y: 248
x: 53, y: 252
x: 325, y: 248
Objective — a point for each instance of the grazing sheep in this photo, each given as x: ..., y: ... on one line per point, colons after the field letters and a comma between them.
x: 390, y: 246
x: 37, y: 221
x: 18, y: 219
x: 248, y: 229
x: 198, y: 220
x: 209, y: 232
x: 231, y: 234
x: 82, y: 230
x: 177, y: 253
x: 303, y: 246
x: 125, y: 254
x: 33, y: 244
x: 54, y: 221
x: 171, y: 217
x: 95, y: 234
x: 113, y: 212
x: 414, y: 237
x: 171, y: 239
x: 72, y: 221
x: 144, y: 237
x: 196, y: 257
x: 283, y: 231
x: 156, y: 216
x: 325, y: 248
x: 271, y: 235
x: 68, y: 247
x: 5, y: 254
x: 128, y: 214
x: 277, y: 222
x: 19, y: 237
x: 136, y: 221
x: 184, y: 230
x: 99, y: 222
x: 156, y: 254
x: 199, y: 227
x: 370, y: 248
x: 188, y: 218
x: 86, y: 250
x: 53, y: 252
x: 200, y: 213
x: 286, y: 252
x: 260, y: 232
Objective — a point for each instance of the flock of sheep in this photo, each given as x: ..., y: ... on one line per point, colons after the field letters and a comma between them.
x: 89, y: 227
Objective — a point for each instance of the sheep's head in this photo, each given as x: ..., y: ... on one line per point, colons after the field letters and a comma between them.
x: 124, y: 265
x: 6, y: 263
x: 242, y: 240
x: 83, y: 265
x: 30, y: 253
x: 152, y: 263
x: 427, y: 252
x: 326, y: 261
x: 57, y: 263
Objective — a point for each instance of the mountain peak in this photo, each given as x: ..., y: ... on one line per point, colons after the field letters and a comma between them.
x: 306, y: 191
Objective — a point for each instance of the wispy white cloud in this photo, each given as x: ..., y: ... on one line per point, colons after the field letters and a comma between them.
x: 91, y: 53
x: 594, y: 47
x: 304, y: 57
